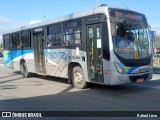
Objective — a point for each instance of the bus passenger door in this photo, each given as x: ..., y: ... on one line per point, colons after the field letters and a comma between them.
x: 94, y: 52
x: 39, y: 53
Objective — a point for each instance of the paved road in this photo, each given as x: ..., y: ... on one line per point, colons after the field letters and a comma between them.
x: 54, y: 94
x: 1, y: 60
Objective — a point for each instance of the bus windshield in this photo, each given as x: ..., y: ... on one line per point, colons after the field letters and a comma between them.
x: 131, y: 39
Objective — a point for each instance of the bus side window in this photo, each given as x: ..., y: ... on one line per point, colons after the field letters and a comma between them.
x: 26, y: 39
x: 6, y: 42
x: 72, y: 32
x: 78, y: 38
x: 54, y: 35
x: 15, y: 40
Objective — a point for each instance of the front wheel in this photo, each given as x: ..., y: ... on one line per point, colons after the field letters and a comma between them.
x: 24, y: 70
x: 78, y: 78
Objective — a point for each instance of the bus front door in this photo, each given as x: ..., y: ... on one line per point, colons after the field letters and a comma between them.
x: 39, y: 53
x: 94, y: 50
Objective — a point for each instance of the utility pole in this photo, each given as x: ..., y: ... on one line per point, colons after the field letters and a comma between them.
x: 97, y: 3
x: 44, y: 17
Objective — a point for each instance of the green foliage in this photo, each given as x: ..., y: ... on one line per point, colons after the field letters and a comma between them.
x: 157, y: 42
x: 0, y: 45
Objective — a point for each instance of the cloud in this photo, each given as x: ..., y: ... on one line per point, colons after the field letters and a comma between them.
x: 3, y: 20
x: 8, y: 24
x: 34, y: 21
x: 3, y: 23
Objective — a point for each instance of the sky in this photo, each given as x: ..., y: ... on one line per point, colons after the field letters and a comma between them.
x: 17, y: 13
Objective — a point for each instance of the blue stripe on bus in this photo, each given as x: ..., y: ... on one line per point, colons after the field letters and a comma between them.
x: 132, y: 69
x: 10, y: 55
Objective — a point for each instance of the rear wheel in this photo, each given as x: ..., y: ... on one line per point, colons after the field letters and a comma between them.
x: 78, y: 78
x: 24, y: 70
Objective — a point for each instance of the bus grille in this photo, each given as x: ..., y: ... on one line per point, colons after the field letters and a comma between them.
x: 134, y: 78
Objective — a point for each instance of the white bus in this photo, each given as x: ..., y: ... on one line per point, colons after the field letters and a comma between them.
x: 84, y: 47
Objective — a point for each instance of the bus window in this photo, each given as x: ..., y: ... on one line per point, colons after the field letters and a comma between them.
x: 72, y: 32
x: 69, y: 37
x: 26, y: 39
x: 78, y: 37
x: 54, y: 35
x: 15, y: 40
x: 7, y: 42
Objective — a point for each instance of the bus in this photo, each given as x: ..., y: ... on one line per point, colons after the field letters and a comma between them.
x: 83, y: 47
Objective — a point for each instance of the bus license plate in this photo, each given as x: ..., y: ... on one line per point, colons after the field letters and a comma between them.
x: 140, y: 80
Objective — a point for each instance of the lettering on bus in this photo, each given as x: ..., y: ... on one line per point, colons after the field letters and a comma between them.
x: 61, y: 55
x: 125, y: 14
x: 77, y: 57
x: 128, y: 15
x: 55, y: 55
x: 74, y: 57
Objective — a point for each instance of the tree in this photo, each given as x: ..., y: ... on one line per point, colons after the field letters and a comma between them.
x: 0, y: 45
x: 157, y: 42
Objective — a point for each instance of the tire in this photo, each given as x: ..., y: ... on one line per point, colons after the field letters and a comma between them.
x: 78, y: 78
x: 24, y: 70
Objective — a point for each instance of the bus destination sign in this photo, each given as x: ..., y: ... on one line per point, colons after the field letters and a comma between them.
x: 127, y: 15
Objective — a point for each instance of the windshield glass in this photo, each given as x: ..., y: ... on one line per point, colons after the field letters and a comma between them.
x: 131, y: 40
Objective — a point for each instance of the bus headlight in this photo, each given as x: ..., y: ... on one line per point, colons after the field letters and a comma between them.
x: 118, y: 67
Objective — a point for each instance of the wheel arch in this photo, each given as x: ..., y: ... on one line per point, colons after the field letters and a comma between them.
x: 21, y: 61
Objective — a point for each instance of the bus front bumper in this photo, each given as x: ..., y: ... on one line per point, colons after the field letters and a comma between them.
x: 119, y: 79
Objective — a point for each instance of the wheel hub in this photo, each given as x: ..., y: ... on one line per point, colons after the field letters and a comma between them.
x: 78, y: 78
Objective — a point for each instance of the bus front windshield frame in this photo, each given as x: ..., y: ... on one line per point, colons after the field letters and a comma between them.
x: 131, y: 39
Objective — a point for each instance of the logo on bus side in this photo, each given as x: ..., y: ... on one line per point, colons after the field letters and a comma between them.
x: 55, y: 55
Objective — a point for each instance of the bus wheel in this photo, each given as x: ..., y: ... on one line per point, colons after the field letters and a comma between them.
x: 24, y: 70
x: 78, y: 78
